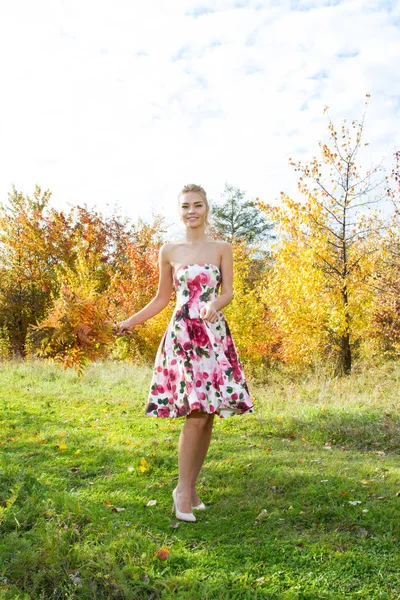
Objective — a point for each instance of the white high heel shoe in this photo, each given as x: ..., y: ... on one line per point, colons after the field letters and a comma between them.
x: 200, y: 506
x: 180, y: 515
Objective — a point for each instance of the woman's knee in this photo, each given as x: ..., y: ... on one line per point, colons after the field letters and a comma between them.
x: 199, y: 418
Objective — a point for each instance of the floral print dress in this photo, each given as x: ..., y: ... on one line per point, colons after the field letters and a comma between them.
x: 197, y: 366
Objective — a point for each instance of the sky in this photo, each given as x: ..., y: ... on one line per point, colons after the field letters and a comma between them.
x: 120, y: 103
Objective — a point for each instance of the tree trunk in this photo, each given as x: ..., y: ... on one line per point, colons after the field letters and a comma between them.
x: 343, y: 366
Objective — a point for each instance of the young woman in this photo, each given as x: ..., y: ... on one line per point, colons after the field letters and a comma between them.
x: 197, y: 371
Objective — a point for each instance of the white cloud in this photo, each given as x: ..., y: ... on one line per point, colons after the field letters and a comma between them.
x: 125, y: 102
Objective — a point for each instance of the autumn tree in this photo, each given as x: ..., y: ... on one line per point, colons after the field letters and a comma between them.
x: 248, y: 316
x: 28, y: 253
x: 38, y: 243
x: 77, y: 328
x: 133, y: 284
x: 384, y: 326
x: 326, y: 247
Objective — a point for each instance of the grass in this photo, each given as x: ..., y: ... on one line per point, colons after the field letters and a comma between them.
x: 301, y: 496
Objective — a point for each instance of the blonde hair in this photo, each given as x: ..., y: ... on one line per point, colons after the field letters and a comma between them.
x: 193, y: 187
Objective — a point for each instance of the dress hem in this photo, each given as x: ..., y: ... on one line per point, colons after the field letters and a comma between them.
x: 230, y: 413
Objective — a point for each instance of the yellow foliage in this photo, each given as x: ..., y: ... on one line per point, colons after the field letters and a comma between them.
x: 247, y: 315
x: 305, y: 286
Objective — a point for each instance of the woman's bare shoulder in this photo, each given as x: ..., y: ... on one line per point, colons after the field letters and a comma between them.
x: 167, y: 251
x: 167, y: 247
x: 223, y: 244
x: 224, y: 247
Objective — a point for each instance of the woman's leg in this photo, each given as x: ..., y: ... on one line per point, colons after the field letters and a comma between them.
x: 203, y: 446
x: 192, y: 449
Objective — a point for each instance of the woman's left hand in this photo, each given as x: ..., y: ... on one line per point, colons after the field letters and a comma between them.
x: 208, y: 312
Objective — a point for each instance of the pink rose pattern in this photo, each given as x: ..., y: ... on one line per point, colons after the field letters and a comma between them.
x: 197, y: 366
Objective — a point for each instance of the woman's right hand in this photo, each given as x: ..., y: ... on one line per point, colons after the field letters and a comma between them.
x: 123, y: 327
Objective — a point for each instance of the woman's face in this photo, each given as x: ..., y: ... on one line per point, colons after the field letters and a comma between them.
x: 192, y: 209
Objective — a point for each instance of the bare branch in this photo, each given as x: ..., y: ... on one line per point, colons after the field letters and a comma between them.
x: 331, y: 267
x: 365, y: 203
x: 324, y: 227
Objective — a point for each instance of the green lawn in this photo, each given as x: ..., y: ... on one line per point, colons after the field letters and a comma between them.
x: 71, y: 450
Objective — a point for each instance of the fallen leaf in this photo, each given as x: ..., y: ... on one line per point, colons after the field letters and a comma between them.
x: 107, y: 503
x: 43, y: 441
x: 143, y: 462
x: 116, y: 509
x: 303, y: 439
x: 76, y: 453
x: 74, y: 469
x: 367, y: 481
x: 162, y: 553
x: 301, y: 460
x: 151, y: 503
x: 262, y: 515
x: 175, y: 525
x: 62, y: 447
x: 142, y: 469
x: 380, y: 452
x: 268, y: 450
x: 344, y: 492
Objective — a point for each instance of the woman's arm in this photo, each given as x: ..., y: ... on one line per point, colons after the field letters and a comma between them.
x: 160, y: 300
x: 209, y: 311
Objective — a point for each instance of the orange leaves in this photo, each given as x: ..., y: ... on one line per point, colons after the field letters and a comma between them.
x: 162, y: 553
x: 77, y: 329
x: 116, y: 509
